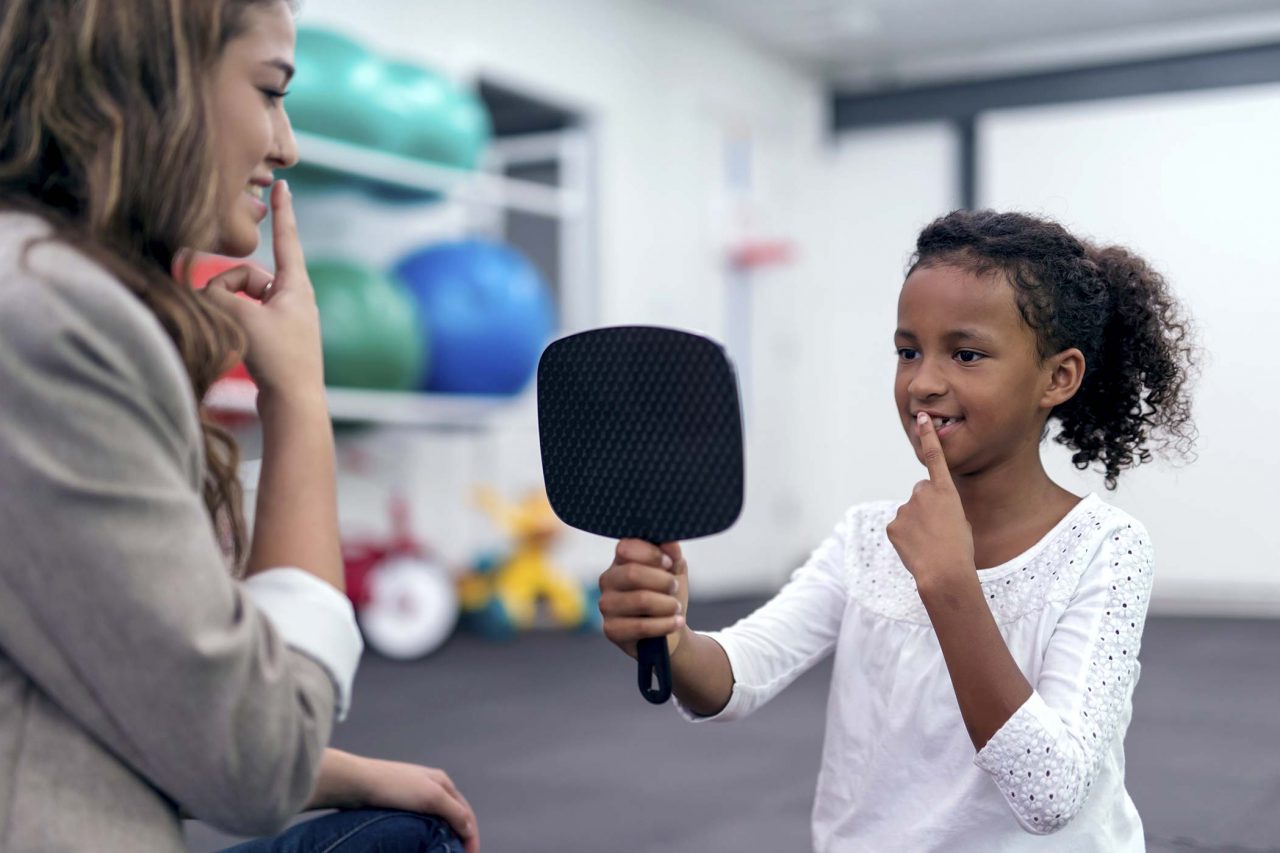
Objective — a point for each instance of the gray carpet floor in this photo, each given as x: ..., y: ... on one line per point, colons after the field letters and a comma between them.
x: 550, y: 741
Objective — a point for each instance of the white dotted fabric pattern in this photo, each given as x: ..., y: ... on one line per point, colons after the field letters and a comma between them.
x: 1045, y: 761
x: 882, y: 584
x: 1071, y: 610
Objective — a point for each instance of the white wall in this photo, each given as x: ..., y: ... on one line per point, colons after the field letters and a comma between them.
x: 1191, y: 182
x: 824, y: 415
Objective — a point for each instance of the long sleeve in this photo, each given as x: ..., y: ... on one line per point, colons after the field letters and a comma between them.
x: 1046, y: 757
x: 114, y: 597
x: 787, y: 635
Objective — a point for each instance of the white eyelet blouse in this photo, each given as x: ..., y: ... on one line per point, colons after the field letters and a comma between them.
x: 898, y: 769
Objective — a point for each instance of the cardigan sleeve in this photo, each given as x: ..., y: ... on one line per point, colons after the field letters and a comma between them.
x: 114, y: 595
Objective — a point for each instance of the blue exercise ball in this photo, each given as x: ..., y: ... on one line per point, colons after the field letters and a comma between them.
x: 488, y: 312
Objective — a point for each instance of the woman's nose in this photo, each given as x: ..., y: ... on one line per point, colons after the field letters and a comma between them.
x: 285, y: 152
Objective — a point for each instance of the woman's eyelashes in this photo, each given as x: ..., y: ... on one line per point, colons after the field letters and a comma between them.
x: 273, y: 96
x: 964, y: 356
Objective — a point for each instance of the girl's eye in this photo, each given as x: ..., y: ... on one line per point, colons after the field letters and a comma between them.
x: 968, y: 356
x: 906, y: 353
x: 274, y: 96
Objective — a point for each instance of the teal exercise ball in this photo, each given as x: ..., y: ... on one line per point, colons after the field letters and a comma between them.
x: 417, y: 100
x: 470, y: 126
x: 488, y: 312
x: 371, y: 329
x: 335, y: 88
x: 434, y: 120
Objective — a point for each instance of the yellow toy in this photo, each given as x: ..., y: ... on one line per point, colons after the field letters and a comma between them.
x: 503, y: 596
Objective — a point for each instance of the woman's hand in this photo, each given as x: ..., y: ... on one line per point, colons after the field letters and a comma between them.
x: 930, y: 532
x: 645, y: 593
x: 283, y: 324
x: 353, y: 782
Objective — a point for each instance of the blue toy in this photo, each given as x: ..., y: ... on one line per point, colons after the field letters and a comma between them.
x: 488, y: 314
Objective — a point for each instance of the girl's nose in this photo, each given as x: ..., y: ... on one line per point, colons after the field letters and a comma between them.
x: 927, y: 381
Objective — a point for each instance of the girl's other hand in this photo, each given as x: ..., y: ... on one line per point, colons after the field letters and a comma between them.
x: 283, y: 324
x: 645, y: 593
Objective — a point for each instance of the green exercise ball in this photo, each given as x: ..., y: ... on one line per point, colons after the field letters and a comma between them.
x: 370, y: 329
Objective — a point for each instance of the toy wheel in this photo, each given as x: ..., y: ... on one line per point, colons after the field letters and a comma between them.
x: 412, y: 608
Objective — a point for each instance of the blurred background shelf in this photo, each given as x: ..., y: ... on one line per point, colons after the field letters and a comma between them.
x: 393, y: 171
x: 445, y: 412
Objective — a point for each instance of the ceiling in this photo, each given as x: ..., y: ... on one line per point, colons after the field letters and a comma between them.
x: 872, y: 44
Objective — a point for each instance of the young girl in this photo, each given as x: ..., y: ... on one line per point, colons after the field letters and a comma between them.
x: 986, y: 631
x: 137, y: 677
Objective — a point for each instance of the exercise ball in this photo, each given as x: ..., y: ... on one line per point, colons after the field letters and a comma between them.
x: 334, y: 93
x: 335, y: 89
x: 488, y: 314
x: 418, y: 99
x: 372, y: 333
x: 442, y: 123
x: 470, y: 127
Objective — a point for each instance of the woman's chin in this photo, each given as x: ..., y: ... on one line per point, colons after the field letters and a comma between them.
x: 237, y: 242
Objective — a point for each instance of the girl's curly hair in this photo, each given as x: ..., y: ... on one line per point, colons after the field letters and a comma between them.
x: 1107, y: 302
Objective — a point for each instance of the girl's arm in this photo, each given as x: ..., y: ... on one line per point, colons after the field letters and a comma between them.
x: 933, y: 538
x: 988, y: 684
x: 645, y: 593
x: 1042, y: 747
x: 728, y: 674
x: 701, y: 676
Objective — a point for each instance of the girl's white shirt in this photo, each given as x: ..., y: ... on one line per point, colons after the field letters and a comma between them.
x: 898, y: 769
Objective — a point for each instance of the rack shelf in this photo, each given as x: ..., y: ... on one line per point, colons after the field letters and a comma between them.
x: 404, y: 173
x: 450, y: 412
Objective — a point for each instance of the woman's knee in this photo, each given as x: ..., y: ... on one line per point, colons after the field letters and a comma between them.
x: 398, y: 832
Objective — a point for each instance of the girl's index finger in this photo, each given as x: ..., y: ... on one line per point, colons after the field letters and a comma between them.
x: 284, y: 230
x: 930, y: 445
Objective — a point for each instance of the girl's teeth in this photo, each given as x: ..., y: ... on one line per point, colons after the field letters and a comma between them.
x: 255, y: 191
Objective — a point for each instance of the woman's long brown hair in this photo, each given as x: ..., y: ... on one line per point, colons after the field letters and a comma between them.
x: 105, y: 132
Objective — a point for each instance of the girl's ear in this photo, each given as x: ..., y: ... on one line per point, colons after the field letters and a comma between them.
x: 1066, y: 372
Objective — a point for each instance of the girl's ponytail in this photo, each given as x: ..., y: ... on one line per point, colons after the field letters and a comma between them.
x: 1134, y: 397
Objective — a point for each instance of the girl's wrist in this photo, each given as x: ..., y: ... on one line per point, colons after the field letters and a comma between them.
x: 683, y: 642
x: 949, y: 589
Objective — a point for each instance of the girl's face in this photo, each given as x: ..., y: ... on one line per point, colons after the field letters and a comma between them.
x: 966, y: 357
x: 252, y: 135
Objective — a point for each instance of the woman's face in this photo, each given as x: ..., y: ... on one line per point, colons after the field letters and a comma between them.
x: 252, y: 135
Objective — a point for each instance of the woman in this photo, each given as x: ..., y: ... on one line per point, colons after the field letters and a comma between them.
x: 137, y: 678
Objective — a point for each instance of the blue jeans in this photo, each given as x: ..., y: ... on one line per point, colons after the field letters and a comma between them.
x: 361, y: 831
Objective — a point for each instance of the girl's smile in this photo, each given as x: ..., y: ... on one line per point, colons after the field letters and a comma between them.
x: 943, y: 424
